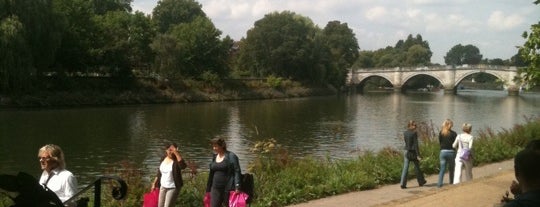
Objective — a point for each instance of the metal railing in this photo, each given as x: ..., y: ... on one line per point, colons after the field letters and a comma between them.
x: 118, y: 192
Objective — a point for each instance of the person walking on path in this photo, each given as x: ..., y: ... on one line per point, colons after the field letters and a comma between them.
x: 55, y: 176
x: 224, y: 174
x: 412, y: 154
x: 447, y: 155
x: 169, y: 176
x: 464, y: 143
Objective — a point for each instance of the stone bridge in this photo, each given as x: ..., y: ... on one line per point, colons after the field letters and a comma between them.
x: 448, y: 76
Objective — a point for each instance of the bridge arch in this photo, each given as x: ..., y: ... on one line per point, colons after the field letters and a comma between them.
x: 465, y: 75
x: 448, y: 76
x: 412, y: 75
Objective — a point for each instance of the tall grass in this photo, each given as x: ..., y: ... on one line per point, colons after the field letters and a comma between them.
x: 281, y: 180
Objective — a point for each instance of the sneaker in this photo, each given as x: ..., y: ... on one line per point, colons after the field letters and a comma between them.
x: 403, y: 187
x: 422, y: 183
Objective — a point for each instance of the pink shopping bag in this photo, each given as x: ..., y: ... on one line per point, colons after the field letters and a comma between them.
x: 206, y: 199
x: 150, y: 199
x: 237, y: 199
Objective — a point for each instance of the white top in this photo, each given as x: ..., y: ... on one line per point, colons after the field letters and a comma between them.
x: 63, y: 183
x: 463, y: 140
x: 167, y: 179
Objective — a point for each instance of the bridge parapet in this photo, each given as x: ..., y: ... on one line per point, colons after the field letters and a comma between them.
x: 448, y: 76
x: 438, y: 68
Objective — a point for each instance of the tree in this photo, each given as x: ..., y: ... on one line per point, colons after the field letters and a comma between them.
x: 103, y: 6
x: 418, y: 55
x: 280, y: 44
x: 113, y: 44
x: 517, y: 60
x: 191, y: 49
x: 16, y: 63
x: 169, y: 13
x: 365, y: 60
x: 496, y: 61
x: 413, y: 51
x: 41, y: 29
x: 75, y: 52
x: 200, y: 48
x: 459, y: 55
x: 530, y: 51
x: 343, y: 46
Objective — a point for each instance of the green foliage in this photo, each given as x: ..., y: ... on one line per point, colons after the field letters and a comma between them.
x: 279, y: 44
x: 190, y: 49
x: 42, y: 30
x: 413, y: 51
x: 290, y: 46
x: 15, y: 67
x: 103, y: 6
x: 531, y: 54
x: 76, y: 17
x: 343, y: 47
x: 169, y: 13
x: 459, y: 55
x: 274, y: 82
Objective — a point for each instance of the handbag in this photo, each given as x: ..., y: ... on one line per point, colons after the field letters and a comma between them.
x: 151, y: 198
x: 465, y: 153
x: 411, y: 155
x: 206, y: 199
x: 238, y: 199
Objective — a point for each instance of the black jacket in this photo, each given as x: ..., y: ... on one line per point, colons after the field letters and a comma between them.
x: 177, y: 173
x: 234, y: 172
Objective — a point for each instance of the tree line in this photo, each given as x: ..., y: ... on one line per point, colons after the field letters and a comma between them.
x: 178, y: 41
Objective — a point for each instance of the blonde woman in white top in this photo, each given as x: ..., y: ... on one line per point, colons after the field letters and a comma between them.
x: 463, y: 141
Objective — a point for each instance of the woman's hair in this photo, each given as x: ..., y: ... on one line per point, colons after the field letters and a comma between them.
x: 219, y: 141
x: 446, y: 126
x: 169, y: 144
x: 56, y: 154
x: 410, y: 124
x: 467, y: 127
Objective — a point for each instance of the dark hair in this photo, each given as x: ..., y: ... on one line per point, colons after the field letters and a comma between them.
x: 170, y: 144
x: 533, y: 145
x: 527, y: 166
x: 410, y: 124
x: 219, y: 141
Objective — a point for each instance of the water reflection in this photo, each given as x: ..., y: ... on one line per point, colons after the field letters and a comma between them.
x: 94, y: 139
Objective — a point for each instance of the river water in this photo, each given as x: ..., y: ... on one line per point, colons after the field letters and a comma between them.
x: 97, y: 138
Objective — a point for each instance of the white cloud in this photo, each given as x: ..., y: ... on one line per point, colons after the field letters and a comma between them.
x: 499, y: 21
x: 494, y: 26
x: 376, y: 13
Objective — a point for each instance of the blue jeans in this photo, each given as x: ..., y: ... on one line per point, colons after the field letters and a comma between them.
x: 446, y: 157
x: 417, y: 171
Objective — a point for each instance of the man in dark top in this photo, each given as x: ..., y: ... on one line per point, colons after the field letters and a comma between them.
x: 527, y: 170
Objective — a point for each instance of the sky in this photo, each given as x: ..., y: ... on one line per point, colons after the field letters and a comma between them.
x: 494, y: 26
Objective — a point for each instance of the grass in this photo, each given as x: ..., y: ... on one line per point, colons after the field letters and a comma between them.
x: 281, y: 180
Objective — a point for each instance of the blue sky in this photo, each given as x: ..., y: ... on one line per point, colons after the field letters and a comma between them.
x: 494, y: 26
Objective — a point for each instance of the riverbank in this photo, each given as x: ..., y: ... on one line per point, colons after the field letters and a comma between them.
x: 84, y: 91
x: 492, y: 180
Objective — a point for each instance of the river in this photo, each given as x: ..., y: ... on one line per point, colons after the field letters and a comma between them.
x: 96, y: 138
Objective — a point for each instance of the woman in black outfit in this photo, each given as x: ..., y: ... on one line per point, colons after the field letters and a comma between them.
x: 411, y: 147
x: 447, y: 154
x: 224, y: 174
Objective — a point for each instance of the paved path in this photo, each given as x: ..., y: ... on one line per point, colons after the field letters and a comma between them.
x: 486, y: 189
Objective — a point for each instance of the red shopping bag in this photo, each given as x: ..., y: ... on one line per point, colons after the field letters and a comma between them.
x: 237, y: 199
x: 206, y: 199
x: 150, y: 199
